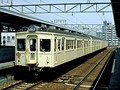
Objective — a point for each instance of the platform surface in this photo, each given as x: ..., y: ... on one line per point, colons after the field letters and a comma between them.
x: 115, y: 77
x: 7, y: 65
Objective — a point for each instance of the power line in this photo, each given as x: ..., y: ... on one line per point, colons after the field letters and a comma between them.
x: 54, y: 13
x: 99, y: 14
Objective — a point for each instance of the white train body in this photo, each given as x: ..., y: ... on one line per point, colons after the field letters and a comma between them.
x: 51, y: 49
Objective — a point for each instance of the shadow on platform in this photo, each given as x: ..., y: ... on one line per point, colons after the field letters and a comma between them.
x: 115, y: 77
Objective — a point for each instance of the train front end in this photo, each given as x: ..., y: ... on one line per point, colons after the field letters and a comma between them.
x: 26, y: 49
x: 33, y: 50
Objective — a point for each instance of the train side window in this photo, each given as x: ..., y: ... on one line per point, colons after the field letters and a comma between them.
x: 79, y: 43
x: 55, y: 44
x: 66, y: 44
x: 86, y: 44
x: 75, y: 43
x: 63, y: 40
x: 21, y: 44
x: 45, y: 45
x: 59, y: 44
x: 32, y: 44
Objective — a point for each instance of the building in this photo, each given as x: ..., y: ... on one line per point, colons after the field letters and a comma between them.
x: 108, y: 33
x: 7, y: 38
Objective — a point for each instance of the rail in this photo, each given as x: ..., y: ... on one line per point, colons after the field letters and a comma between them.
x: 7, y: 88
x: 81, y: 81
x: 97, y: 81
x: 22, y: 86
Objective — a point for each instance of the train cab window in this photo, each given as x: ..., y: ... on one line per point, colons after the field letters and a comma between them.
x: 32, y: 44
x: 21, y: 44
x: 45, y: 45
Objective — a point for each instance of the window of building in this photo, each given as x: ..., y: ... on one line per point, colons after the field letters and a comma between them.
x: 8, y: 38
x: 3, y: 37
x: 13, y: 37
x: 45, y: 45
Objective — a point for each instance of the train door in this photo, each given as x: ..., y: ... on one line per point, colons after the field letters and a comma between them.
x: 63, y: 48
x: 59, y: 47
x: 55, y: 49
x: 32, y: 47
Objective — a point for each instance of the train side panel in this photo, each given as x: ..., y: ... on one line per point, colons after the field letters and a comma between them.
x: 63, y: 47
x: 45, y: 49
x: 53, y: 49
x: 67, y: 48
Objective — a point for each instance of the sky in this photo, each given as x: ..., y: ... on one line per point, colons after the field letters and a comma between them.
x: 70, y: 18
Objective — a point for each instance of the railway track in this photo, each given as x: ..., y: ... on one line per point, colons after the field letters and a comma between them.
x: 81, y: 77
x: 22, y: 86
x: 94, y: 69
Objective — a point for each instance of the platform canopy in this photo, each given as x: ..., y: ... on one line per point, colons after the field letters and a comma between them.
x: 116, y: 13
x: 16, y: 20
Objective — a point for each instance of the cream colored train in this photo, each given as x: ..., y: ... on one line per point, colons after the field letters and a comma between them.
x: 38, y: 48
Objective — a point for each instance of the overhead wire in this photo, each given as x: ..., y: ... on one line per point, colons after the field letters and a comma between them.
x: 99, y: 14
x: 102, y: 14
x: 52, y: 13
x: 66, y: 18
x: 74, y: 22
x: 70, y: 19
x: 63, y: 16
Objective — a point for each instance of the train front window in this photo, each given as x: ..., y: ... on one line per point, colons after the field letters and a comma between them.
x: 45, y: 45
x: 32, y: 44
x: 21, y: 44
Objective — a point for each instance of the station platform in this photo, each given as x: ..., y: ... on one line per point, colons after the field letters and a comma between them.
x: 115, y: 74
x: 7, y: 57
x: 7, y: 65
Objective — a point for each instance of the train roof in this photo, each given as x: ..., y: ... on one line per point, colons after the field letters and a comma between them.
x: 34, y: 28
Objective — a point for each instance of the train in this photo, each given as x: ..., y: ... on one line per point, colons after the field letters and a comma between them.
x: 39, y: 48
